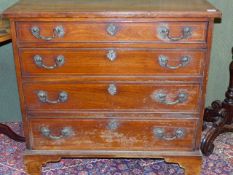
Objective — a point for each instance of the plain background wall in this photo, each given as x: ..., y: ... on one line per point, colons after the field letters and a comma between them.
x: 218, y: 76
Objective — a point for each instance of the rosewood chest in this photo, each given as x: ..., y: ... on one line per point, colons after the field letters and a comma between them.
x: 112, y: 78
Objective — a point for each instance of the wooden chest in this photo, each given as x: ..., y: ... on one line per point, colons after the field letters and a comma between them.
x: 112, y: 78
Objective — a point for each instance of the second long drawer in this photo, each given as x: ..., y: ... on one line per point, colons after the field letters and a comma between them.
x: 111, y: 61
x: 115, y: 96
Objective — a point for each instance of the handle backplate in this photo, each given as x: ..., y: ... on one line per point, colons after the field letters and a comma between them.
x: 161, y: 97
x: 59, y: 61
x: 163, y: 62
x: 43, y: 97
x: 58, y: 32
x: 164, y: 33
x: 64, y: 133
x: 160, y: 133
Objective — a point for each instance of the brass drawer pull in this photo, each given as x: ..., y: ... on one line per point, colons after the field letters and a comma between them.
x: 43, y: 97
x: 163, y: 62
x: 59, y: 61
x: 65, y: 132
x: 164, y: 33
x: 112, y: 89
x: 58, y: 32
x: 161, y: 134
x: 162, y: 98
x: 112, y: 29
x: 111, y: 55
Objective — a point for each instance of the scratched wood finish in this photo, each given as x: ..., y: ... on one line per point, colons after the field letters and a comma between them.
x: 125, y: 31
x: 87, y: 74
x: 129, y: 97
x: 126, y: 62
x: 127, y: 134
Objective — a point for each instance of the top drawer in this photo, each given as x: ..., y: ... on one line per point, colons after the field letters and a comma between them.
x: 161, y: 32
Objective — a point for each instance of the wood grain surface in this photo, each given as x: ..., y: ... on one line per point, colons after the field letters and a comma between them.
x: 112, y: 106
x: 113, y: 8
x: 125, y: 31
x: 95, y: 134
x: 129, y: 97
x: 140, y: 62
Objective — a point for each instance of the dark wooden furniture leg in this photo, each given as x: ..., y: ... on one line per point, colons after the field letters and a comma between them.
x: 221, y: 115
x: 6, y: 130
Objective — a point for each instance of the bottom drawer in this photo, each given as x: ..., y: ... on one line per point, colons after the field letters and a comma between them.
x: 112, y: 134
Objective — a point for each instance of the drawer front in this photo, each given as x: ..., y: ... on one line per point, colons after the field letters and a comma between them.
x: 112, y: 96
x: 169, y: 32
x: 39, y: 62
x: 112, y: 134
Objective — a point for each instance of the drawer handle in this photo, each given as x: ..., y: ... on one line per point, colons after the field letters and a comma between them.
x: 112, y: 89
x: 43, y: 97
x: 58, y: 32
x: 161, y: 134
x: 164, y: 33
x: 162, y: 98
x: 112, y: 29
x: 163, y: 62
x: 111, y: 55
x: 65, y: 132
x: 59, y: 61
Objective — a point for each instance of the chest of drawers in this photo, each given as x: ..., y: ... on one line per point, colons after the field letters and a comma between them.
x: 112, y: 78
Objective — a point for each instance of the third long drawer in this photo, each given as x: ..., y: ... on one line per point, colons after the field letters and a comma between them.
x: 113, y: 96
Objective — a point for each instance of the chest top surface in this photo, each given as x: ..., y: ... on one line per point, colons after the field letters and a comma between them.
x: 112, y: 8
